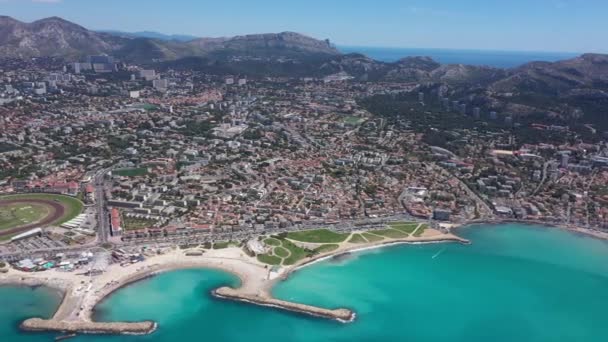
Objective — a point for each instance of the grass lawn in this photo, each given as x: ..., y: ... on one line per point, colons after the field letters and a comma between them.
x: 421, y: 230
x: 221, y: 245
x: 73, y: 207
x: 318, y: 236
x: 269, y: 259
x: 142, y: 171
x: 406, y: 227
x: 20, y: 214
x: 149, y: 106
x: 326, y: 248
x: 390, y: 233
x: 372, y: 237
x: 272, y: 242
x: 297, y: 253
x: 281, y: 252
x: 357, y: 238
x: 353, y: 120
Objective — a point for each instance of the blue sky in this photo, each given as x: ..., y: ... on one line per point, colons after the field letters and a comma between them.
x: 536, y: 25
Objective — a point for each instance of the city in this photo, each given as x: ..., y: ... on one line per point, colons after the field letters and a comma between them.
x: 260, y: 155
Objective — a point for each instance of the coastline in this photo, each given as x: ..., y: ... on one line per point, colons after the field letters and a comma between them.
x: 76, y: 311
x: 81, y: 294
x: 370, y: 246
x: 590, y: 232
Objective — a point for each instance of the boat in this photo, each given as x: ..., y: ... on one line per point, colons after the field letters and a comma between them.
x: 65, y: 337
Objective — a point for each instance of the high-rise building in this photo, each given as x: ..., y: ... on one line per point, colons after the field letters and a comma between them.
x: 147, y: 75
x: 463, y: 109
x: 421, y: 97
x: 565, y: 160
x: 160, y: 84
x: 476, y: 112
x: 446, y: 104
x: 493, y: 115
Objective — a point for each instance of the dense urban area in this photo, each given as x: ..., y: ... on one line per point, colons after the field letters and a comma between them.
x: 161, y: 157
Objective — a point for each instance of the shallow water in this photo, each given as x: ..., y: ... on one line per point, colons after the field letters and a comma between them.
x: 514, y: 283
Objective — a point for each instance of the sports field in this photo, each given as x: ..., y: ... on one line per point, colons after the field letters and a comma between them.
x: 19, y: 213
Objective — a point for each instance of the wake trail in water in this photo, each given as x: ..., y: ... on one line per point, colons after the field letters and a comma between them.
x: 437, y: 254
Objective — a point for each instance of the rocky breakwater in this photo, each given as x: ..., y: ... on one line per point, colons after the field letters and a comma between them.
x: 138, y: 328
x: 342, y: 315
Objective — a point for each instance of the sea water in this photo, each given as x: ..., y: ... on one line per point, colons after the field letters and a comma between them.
x: 498, y: 59
x: 513, y: 283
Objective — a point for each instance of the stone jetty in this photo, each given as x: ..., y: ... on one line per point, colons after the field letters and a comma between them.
x: 139, y: 328
x: 342, y: 315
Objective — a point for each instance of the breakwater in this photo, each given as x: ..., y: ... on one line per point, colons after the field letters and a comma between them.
x: 137, y: 328
x: 342, y: 315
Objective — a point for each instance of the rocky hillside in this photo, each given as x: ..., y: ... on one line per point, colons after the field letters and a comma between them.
x: 52, y: 37
x: 287, y: 43
x: 58, y: 37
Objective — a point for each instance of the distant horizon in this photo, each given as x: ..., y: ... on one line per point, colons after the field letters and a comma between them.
x: 517, y: 25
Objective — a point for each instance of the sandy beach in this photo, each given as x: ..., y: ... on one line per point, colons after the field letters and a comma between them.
x: 81, y: 293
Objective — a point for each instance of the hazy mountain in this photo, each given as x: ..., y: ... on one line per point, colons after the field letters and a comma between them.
x: 284, y: 43
x: 52, y: 37
x: 151, y: 34
x: 57, y: 37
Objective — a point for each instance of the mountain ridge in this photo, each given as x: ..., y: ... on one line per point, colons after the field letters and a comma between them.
x: 55, y: 36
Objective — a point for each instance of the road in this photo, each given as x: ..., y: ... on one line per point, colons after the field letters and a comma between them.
x: 542, y: 181
x: 100, y: 203
x: 348, y: 226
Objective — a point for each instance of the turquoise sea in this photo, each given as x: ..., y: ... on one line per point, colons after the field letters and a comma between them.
x: 514, y: 283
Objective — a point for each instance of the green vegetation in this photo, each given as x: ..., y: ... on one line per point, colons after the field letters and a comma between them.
x: 132, y: 223
x: 19, y: 214
x: 269, y: 259
x: 221, y: 245
x: 353, y: 120
x: 73, y: 207
x: 286, y: 251
x: 149, y: 107
x: 372, y: 237
x: 281, y: 252
x: 297, y: 253
x: 420, y: 230
x: 357, y: 238
x: 406, y: 227
x: 318, y: 236
x: 325, y: 248
x: 390, y: 233
x: 134, y: 172
x: 272, y: 242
